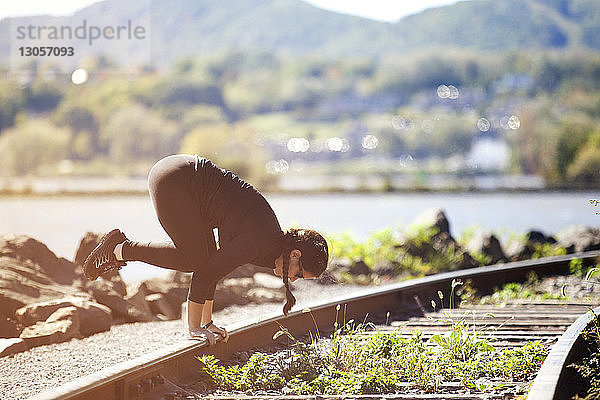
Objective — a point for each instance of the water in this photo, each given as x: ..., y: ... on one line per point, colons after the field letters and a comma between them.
x: 60, y: 222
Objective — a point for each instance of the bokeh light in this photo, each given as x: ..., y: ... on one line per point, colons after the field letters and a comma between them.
x: 427, y: 126
x: 453, y: 92
x: 483, y: 124
x: 443, y: 91
x: 448, y: 92
x: 369, y: 142
x: 298, y: 145
x: 399, y: 122
x: 79, y: 76
x: 338, y: 144
x: 275, y: 167
x: 514, y: 122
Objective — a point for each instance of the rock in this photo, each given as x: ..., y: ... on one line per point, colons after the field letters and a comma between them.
x: 89, y: 241
x: 40, y: 311
x: 337, y: 264
x: 95, y: 318
x: 8, y: 327
x: 27, y: 249
x: 338, y: 267
x: 359, y: 267
x: 111, y: 291
x: 92, y: 317
x: 116, y: 282
x: 184, y: 312
x: 435, y: 219
x: 488, y: 244
x: 62, y: 325
x: 140, y: 309
x: 578, y: 238
x: 326, y: 278
x: 64, y: 313
x: 159, y: 305
x: 518, y: 250
x: 30, y: 272
x: 268, y: 281
x: 438, y: 244
x: 227, y: 297
x: 12, y: 346
x: 444, y: 243
x: 232, y: 291
x: 262, y: 295
x: 524, y: 249
x: 181, y: 278
x: 43, y: 333
x: 103, y: 292
x: 539, y: 237
x: 385, y: 269
x: 172, y: 294
x: 247, y: 271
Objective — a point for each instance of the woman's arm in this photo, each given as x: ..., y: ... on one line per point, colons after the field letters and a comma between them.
x: 200, y: 324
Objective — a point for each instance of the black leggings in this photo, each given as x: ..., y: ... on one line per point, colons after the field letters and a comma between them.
x: 177, y: 209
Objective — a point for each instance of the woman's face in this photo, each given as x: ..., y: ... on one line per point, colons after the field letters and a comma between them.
x: 295, y: 271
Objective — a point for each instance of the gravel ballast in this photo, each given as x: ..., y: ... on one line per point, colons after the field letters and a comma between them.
x: 42, y: 368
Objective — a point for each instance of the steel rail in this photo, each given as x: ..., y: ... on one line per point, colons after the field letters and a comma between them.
x: 149, y: 376
x: 554, y: 380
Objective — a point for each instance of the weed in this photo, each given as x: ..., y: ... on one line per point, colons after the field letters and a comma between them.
x: 351, y: 361
x: 460, y: 343
x: 541, y: 250
x: 520, y: 291
x: 589, y: 369
x: 380, y: 247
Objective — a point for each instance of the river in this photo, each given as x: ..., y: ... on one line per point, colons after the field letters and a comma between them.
x: 61, y: 221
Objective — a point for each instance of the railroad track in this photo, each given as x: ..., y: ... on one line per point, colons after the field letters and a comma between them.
x: 169, y: 374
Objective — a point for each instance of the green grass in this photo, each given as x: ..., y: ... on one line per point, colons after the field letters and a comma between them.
x: 412, y: 252
x: 351, y: 361
x: 588, y: 370
x: 519, y: 291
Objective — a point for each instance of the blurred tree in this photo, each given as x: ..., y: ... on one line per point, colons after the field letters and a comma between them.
x: 84, y: 143
x: 42, y: 96
x: 11, y: 102
x: 136, y: 133
x: 584, y: 171
x: 202, y: 114
x: 170, y: 92
x: 533, y: 145
x: 31, y: 147
x: 208, y: 141
x: 230, y: 146
x: 572, y: 136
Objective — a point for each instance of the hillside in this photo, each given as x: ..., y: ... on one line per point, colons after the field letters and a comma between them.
x: 188, y: 28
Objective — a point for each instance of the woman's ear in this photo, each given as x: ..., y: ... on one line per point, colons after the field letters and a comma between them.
x: 295, y: 254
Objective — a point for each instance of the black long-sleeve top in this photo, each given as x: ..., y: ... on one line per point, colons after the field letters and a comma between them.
x: 249, y: 232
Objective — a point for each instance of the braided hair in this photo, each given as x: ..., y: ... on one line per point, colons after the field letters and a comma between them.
x: 314, y: 257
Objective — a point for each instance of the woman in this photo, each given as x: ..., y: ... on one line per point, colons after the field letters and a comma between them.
x: 191, y: 196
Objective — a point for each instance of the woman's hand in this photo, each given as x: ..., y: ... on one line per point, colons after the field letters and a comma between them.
x: 219, y: 331
x: 210, y: 333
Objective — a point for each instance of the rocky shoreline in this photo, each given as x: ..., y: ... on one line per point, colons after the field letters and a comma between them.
x: 45, y: 299
x: 432, y: 249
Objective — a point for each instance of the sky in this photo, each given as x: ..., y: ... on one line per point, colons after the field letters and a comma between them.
x: 384, y: 10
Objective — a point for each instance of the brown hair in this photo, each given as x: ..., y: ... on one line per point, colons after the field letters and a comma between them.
x: 315, y: 254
